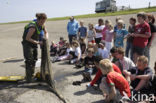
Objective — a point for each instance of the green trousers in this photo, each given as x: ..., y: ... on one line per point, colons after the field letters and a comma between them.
x: 30, y: 56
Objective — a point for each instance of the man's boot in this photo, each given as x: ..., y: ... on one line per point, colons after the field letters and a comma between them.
x: 29, y: 74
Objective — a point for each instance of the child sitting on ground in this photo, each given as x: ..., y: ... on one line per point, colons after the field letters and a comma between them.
x: 62, y: 48
x: 75, y: 56
x: 152, y: 80
x: 141, y: 69
x: 61, y: 42
x: 53, y: 49
x: 113, y: 52
x: 98, y: 76
x: 123, y: 63
x: 81, y: 62
x: 103, y: 51
x: 66, y: 56
x: 89, y: 65
x: 114, y: 86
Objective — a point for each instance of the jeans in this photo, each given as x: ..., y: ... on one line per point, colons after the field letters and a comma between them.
x: 129, y: 49
x: 89, y: 70
x: 71, y: 38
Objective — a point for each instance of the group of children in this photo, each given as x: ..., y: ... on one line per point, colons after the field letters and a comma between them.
x: 101, y: 50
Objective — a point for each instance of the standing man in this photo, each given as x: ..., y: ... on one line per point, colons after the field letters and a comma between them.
x: 72, y: 29
x: 30, y: 41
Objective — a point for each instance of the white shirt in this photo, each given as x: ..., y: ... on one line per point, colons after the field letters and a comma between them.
x: 68, y: 50
x: 99, y: 35
x: 104, y: 53
x: 127, y: 63
x: 78, y: 51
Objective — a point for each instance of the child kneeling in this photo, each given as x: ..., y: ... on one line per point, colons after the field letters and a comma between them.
x: 89, y: 65
x: 114, y: 86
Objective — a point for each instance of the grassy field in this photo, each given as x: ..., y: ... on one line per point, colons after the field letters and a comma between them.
x: 125, y: 12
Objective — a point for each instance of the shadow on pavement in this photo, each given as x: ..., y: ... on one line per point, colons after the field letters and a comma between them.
x: 13, y: 61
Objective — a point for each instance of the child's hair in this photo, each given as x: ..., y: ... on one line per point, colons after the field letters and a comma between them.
x: 74, y: 39
x: 106, y: 65
x: 142, y: 15
x: 114, y: 50
x: 151, y: 16
x: 76, y: 42
x: 120, y: 23
x: 90, y: 44
x: 52, y: 42
x: 90, y: 50
x: 118, y: 18
x: 133, y: 19
x: 100, y: 20
x: 102, y: 43
x: 97, y: 59
x: 61, y: 38
x: 121, y: 50
x: 82, y: 40
x: 67, y: 44
x: 108, y: 21
x: 40, y: 16
x: 92, y: 26
x: 81, y: 21
x: 143, y: 59
x: 111, y: 26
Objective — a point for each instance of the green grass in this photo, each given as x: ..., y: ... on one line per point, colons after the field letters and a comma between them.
x: 125, y: 12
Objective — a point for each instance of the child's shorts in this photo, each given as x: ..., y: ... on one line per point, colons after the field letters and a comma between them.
x: 138, y: 50
x: 106, y: 89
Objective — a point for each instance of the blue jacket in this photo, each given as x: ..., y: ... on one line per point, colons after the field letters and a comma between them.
x: 72, y: 27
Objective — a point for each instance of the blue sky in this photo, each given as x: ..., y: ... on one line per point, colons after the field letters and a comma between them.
x: 20, y: 10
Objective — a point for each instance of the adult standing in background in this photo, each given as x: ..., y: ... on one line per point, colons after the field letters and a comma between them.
x: 151, y: 21
x: 30, y: 41
x: 98, y: 28
x: 72, y: 29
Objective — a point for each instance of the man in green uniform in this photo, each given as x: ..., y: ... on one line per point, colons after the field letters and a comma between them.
x: 30, y: 42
